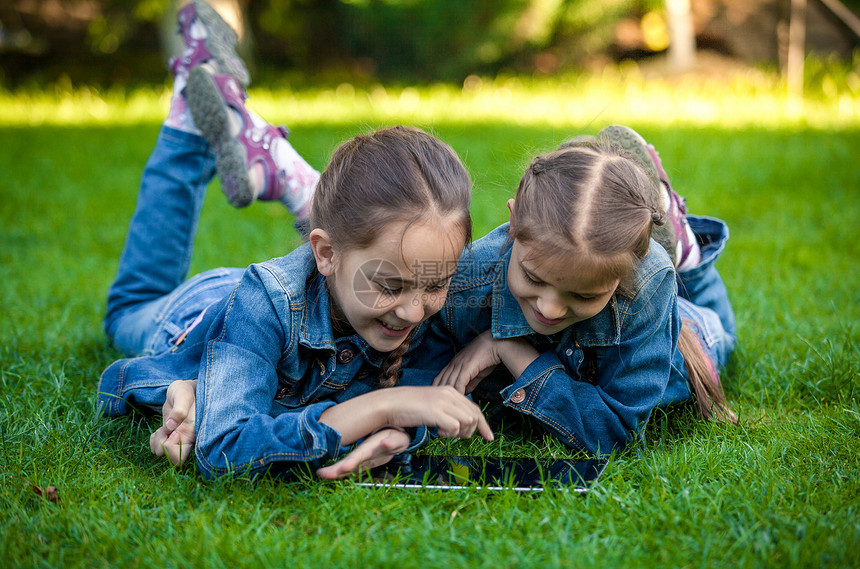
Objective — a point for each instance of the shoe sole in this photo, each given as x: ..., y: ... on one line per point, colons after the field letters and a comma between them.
x: 212, y: 116
x: 221, y: 43
x: 633, y: 143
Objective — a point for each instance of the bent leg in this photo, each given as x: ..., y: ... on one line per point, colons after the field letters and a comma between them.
x: 158, y: 247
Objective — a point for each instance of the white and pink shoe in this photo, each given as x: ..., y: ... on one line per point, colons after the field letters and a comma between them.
x: 254, y: 159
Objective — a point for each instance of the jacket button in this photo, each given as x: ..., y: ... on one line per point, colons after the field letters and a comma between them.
x: 518, y: 396
x: 345, y: 356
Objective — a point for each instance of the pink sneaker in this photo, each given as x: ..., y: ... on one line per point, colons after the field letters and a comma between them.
x: 211, y: 100
x: 218, y: 44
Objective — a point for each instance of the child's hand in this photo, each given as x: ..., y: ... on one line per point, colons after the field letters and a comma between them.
x: 175, y: 438
x: 375, y: 450
x: 472, y: 364
x: 452, y: 413
x: 477, y: 360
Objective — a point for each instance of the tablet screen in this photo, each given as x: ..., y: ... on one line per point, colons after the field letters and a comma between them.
x: 517, y: 474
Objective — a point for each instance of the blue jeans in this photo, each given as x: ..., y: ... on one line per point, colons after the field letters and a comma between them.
x: 702, y: 294
x: 150, y: 303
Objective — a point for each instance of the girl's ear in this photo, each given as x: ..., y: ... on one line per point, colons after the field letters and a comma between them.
x: 511, y: 203
x: 323, y: 251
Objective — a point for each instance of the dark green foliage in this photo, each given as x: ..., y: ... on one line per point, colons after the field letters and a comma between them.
x: 122, y: 42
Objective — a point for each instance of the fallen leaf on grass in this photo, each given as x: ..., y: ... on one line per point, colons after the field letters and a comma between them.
x: 49, y: 493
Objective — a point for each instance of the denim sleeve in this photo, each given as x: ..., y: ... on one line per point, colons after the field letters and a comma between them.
x: 141, y: 382
x: 631, y: 377
x: 419, y: 439
x: 237, y: 385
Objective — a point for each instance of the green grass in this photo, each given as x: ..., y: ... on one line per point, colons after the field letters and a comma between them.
x: 780, y: 490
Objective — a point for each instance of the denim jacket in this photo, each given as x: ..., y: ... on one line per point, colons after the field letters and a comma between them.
x: 267, y: 364
x: 595, y: 383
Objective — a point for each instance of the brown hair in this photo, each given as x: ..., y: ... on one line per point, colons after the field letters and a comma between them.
x: 392, y: 175
x: 703, y: 377
x: 590, y: 200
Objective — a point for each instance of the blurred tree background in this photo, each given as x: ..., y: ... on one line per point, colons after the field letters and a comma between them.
x: 126, y: 42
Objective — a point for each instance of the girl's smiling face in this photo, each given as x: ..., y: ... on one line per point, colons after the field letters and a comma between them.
x: 387, y: 289
x: 556, y: 292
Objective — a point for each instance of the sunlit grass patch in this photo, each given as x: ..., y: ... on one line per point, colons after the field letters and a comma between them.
x: 618, y: 95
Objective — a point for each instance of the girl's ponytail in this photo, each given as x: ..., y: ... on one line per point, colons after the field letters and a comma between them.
x: 704, y: 380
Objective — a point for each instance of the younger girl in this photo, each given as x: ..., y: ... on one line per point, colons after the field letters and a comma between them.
x: 582, y: 307
x: 282, y: 361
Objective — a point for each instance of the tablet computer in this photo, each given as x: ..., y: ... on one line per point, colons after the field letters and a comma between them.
x: 516, y: 474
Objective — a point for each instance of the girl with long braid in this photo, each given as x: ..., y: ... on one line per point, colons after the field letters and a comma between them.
x: 281, y: 365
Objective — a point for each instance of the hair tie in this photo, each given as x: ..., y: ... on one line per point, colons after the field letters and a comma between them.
x: 657, y: 216
x: 538, y: 165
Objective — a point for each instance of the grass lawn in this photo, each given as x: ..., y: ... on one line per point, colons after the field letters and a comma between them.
x: 782, y: 489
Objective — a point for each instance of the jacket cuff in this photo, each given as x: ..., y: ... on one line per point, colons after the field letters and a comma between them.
x: 323, y: 439
x: 545, y: 363
x: 117, y: 395
x: 419, y: 438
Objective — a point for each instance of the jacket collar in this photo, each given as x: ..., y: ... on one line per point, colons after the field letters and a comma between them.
x: 316, y: 330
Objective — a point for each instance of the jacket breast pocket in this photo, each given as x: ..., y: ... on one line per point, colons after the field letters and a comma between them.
x: 334, y: 382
